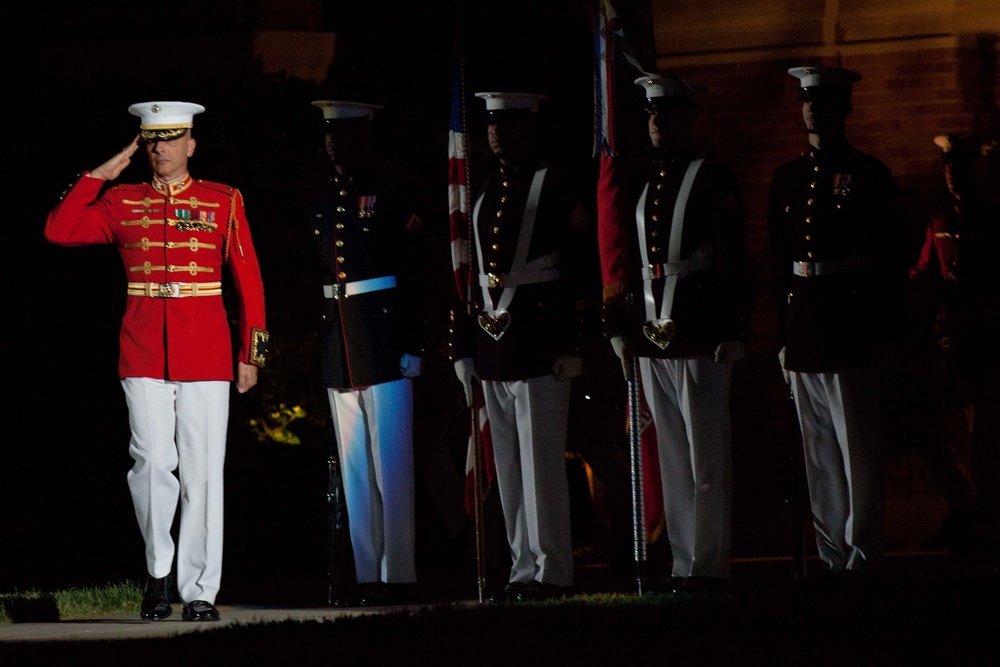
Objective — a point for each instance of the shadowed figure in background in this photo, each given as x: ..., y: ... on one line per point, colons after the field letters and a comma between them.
x: 972, y: 173
x: 921, y: 394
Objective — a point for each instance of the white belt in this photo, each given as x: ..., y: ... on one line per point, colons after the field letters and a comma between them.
x: 174, y: 290
x: 807, y: 269
x: 699, y: 261
x: 541, y: 270
x: 358, y: 287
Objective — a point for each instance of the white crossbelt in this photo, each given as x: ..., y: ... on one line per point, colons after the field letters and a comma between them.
x: 358, y: 287
x: 673, y: 269
x: 519, y: 265
x: 174, y: 290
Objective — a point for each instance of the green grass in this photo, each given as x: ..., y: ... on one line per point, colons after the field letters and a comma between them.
x: 70, y: 604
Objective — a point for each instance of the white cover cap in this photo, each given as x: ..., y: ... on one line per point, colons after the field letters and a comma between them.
x: 810, y: 77
x: 656, y: 85
x: 165, y: 115
x: 336, y: 109
x: 509, y: 101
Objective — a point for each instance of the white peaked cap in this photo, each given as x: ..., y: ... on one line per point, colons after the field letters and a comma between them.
x: 165, y: 115
x: 824, y: 76
x: 656, y: 85
x: 336, y: 109
x: 508, y: 101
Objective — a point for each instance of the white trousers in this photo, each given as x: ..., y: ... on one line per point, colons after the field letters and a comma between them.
x: 689, y: 401
x: 374, y: 430
x: 179, y: 426
x: 842, y: 436
x: 528, y: 424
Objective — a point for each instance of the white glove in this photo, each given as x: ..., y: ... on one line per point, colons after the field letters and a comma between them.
x: 465, y: 369
x: 411, y: 366
x: 618, y: 345
x: 566, y: 367
x: 730, y: 351
x: 781, y: 360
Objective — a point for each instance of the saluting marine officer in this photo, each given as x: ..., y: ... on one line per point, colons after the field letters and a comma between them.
x: 370, y: 351
x: 681, y: 308
x: 175, y: 235
x: 839, y: 260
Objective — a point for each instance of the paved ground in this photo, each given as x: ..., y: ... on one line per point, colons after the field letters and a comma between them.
x: 748, y: 574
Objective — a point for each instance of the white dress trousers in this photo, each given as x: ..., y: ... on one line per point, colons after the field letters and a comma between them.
x: 528, y: 422
x: 689, y: 400
x: 374, y: 430
x: 841, y: 437
x: 179, y: 426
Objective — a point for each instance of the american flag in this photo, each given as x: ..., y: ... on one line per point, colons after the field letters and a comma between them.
x: 459, y: 197
x: 604, y: 66
x: 458, y: 181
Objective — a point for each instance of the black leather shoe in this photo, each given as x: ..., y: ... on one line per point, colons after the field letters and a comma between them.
x: 374, y: 595
x: 699, y: 584
x: 537, y: 592
x: 200, y: 610
x: 156, y: 599
x: 508, y: 593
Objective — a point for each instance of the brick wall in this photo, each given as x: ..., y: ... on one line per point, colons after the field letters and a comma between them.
x: 750, y: 116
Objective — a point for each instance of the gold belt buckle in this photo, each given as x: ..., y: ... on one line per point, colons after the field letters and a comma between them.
x: 169, y: 290
x: 494, y: 280
x: 660, y: 332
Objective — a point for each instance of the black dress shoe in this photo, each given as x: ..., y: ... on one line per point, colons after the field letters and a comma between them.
x: 537, y: 592
x: 508, y: 593
x: 699, y: 584
x: 156, y: 599
x: 200, y: 610
x: 374, y: 595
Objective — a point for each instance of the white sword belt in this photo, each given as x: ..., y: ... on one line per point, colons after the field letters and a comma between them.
x: 541, y: 270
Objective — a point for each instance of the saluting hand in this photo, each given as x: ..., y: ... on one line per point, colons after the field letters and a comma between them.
x: 111, y: 169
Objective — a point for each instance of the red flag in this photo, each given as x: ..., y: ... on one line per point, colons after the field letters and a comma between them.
x: 614, y: 216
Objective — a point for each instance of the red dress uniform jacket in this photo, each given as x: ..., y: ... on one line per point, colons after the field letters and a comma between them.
x: 173, y: 239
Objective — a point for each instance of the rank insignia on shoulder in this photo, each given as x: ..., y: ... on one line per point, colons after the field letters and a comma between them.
x: 258, y: 346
